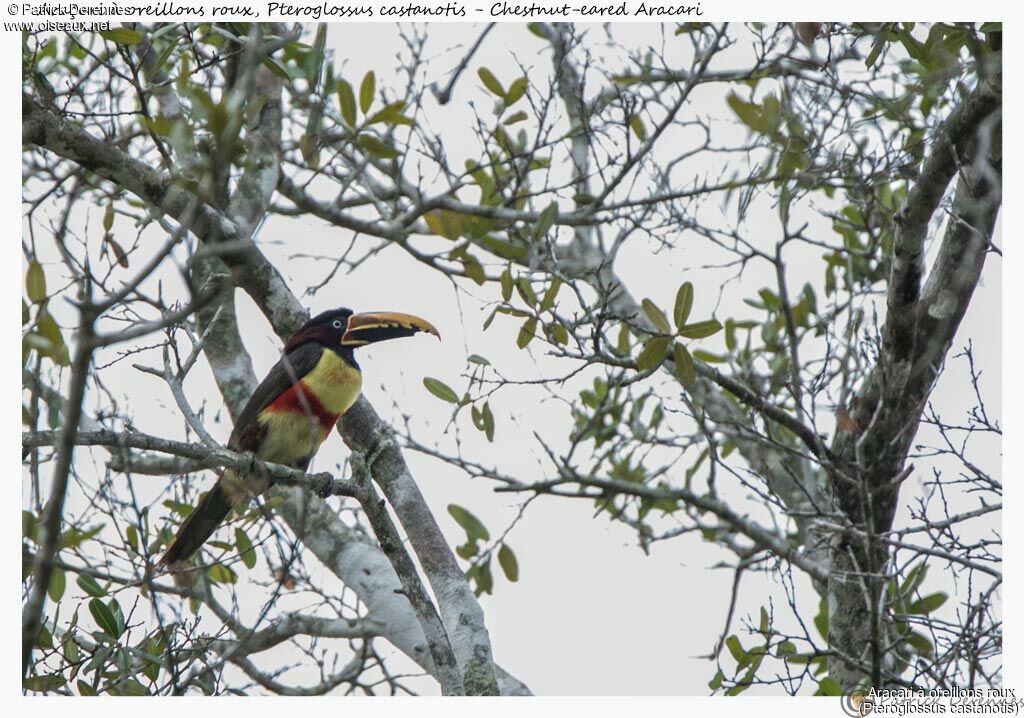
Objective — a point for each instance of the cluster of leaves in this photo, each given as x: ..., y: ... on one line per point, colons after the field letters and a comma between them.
x: 803, y: 314
x: 41, y: 336
x: 778, y: 646
x: 656, y: 349
x: 539, y: 309
x: 479, y: 552
x: 503, y: 180
x: 904, y: 600
x: 618, y: 423
x: 239, y: 546
x: 101, y: 660
x: 480, y: 411
x: 775, y: 119
x: 867, y: 226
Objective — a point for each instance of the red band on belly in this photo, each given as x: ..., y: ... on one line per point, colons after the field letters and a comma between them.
x: 299, y: 398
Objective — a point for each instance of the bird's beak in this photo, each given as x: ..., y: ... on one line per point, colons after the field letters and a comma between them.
x: 377, y: 326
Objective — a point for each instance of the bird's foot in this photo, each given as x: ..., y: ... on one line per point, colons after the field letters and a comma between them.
x: 253, y: 461
x: 326, y: 488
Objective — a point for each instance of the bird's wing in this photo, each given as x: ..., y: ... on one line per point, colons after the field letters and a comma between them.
x: 289, y: 369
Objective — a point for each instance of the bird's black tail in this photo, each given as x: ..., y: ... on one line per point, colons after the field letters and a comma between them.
x: 201, y: 523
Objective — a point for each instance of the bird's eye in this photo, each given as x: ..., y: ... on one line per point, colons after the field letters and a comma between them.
x: 337, y: 324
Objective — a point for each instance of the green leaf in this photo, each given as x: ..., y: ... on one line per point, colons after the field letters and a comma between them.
x: 48, y: 329
x: 366, y: 89
x: 741, y: 657
x: 45, y: 639
x: 829, y: 687
x: 684, y: 303
x: 559, y: 334
x: 716, y: 682
x: 473, y: 269
x: 122, y: 36
x: 26, y: 316
x: 89, y: 584
x: 700, y: 330
x: 737, y: 689
x: 753, y: 116
x: 58, y: 582
x: 347, y: 102
x: 29, y: 526
x: 163, y: 57
x: 474, y: 528
x: 310, y: 147
x: 526, y: 333
x: 130, y: 687
x: 525, y: 290
x: 219, y: 573
x: 509, y: 564
x: 491, y: 82
x: 35, y: 282
x: 821, y: 620
x: 876, y: 50
x: 514, y: 118
x: 653, y: 353
x: 503, y: 248
x: 484, y: 579
x: 104, y: 617
x: 245, y: 549
x: 488, y: 421
x: 490, y: 318
x: 84, y: 689
x: 928, y: 604
x: 441, y: 390
x: 786, y: 648
x: 515, y: 91
x: 708, y: 357
x: 684, y: 365
x: 506, y: 285
x: 41, y: 684
x: 73, y: 537
x: 388, y: 113
x: 657, y: 317
x: 637, y: 125
x: 268, y: 62
x: 182, y: 509
x: 920, y: 643
x: 546, y: 220
x: 378, y: 148
x: 550, y: 295
x: 72, y: 653
x: 115, y: 611
x: 915, y: 577
x: 131, y: 535
x: 444, y: 223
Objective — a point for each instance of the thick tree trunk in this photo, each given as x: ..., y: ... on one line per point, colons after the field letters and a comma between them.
x: 920, y: 327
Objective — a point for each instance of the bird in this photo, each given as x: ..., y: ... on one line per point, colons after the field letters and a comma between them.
x: 292, y: 411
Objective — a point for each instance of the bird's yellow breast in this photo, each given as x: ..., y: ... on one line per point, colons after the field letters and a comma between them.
x: 302, y: 417
x: 334, y: 382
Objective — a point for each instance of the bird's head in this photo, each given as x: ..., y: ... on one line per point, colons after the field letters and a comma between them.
x: 343, y: 329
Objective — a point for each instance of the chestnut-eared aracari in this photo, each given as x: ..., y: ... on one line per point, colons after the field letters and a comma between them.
x: 293, y: 410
